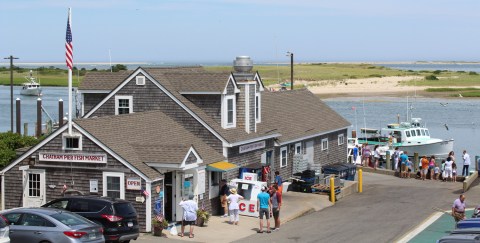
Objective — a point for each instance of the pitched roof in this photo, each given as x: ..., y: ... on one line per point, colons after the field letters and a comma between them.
x: 102, y: 80
x: 297, y: 114
x: 134, y: 136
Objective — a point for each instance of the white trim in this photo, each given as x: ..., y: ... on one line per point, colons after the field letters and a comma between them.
x: 296, y: 146
x: 183, y: 106
x: 310, y: 136
x: 33, y: 149
x: 140, y: 80
x: 247, y: 108
x: 73, y: 135
x: 224, y: 108
x: 109, y: 151
x: 106, y: 174
x: 148, y: 208
x: 231, y: 78
x: 254, y: 140
x: 82, y: 104
x: 124, y: 97
x: 173, y: 166
x: 199, y: 92
x: 321, y: 144
x: 258, y: 117
x: 191, y: 151
x: 281, y: 156
x: 259, y: 80
x: 343, y: 139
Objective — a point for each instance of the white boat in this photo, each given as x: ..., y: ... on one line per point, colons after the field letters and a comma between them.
x: 411, y: 137
x: 31, y: 87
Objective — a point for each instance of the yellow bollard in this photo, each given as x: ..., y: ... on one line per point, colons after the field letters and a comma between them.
x: 360, y: 181
x: 332, y: 190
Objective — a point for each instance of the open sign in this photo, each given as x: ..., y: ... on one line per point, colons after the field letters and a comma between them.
x: 134, y: 184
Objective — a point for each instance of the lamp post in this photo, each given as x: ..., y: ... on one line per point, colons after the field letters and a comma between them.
x: 291, y: 68
x: 11, y: 90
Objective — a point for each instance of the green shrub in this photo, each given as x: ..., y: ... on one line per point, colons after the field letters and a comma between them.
x: 472, y: 73
x: 9, y: 142
x: 375, y: 75
x: 437, y: 71
x: 431, y: 77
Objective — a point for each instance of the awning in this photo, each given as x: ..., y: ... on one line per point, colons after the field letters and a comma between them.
x: 222, y: 166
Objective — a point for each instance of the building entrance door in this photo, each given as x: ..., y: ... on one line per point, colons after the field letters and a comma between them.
x: 33, y: 188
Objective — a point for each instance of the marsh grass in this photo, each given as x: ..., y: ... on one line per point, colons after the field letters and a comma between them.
x: 59, y: 78
x: 450, y: 89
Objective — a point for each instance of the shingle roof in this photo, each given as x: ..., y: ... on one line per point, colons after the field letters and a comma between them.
x: 102, y: 80
x: 133, y: 138
x: 298, y: 113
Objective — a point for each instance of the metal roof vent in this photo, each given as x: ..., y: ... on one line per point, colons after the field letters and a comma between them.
x: 243, y: 64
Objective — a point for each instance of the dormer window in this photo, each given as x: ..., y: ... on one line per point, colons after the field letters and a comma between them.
x: 140, y: 80
x: 72, y: 142
x: 229, y: 112
x: 123, y: 105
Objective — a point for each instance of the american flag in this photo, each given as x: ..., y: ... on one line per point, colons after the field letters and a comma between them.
x: 144, y: 192
x: 68, y: 44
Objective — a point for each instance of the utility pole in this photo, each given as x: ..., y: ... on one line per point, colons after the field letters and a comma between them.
x: 291, y: 68
x: 11, y: 90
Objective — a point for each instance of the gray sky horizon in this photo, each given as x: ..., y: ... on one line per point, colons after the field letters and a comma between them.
x: 196, y: 31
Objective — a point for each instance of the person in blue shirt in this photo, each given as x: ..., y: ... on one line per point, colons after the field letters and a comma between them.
x: 355, y: 154
x: 264, y: 204
x: 278, y: 181
x: 403, y: 160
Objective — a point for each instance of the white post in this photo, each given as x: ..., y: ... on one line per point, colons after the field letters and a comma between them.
x: 70, y: 101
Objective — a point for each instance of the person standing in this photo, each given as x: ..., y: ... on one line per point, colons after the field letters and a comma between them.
x: 263, y: 207
x: 458, y: 208
x: 276, y: 199
x: 190, y: 208
x: 448, y: 171
x: 403, y: 161
x: 424, y: 169
x: 233, y: 207
x: 355, y: 154
x: 376, y: 156
x: 396, y: 157
x: 466, y: 163
x: 279, y: 181
x: 224, y: 192
x: 431, y: 166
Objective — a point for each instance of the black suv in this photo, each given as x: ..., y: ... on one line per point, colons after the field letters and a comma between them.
x: 118, y: 217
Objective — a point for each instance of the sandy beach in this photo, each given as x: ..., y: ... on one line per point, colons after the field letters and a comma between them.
x: 384, y: 86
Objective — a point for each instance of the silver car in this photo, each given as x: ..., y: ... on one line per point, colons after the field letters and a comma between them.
x: 51, y: 225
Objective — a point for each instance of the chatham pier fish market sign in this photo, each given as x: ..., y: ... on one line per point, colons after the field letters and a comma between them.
x: 69, y: 157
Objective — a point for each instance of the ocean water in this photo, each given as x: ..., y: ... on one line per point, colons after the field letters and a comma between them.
x: 461, y: 116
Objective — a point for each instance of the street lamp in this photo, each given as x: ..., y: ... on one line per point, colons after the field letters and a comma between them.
x: 291, y: 68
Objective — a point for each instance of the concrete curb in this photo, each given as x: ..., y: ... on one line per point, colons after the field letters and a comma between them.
x: 469, y: 180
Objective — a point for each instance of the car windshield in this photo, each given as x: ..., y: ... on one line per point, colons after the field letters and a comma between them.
x: 69, y: 219
x: 124, y: 209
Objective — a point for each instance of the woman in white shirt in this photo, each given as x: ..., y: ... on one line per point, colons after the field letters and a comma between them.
x: 376, y: 156
x: 448, y: 172
x: 233, y: 206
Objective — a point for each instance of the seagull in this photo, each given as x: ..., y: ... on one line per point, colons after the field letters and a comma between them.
x: 444, y: 104
x: 460, y: 95
x: 446, y: 126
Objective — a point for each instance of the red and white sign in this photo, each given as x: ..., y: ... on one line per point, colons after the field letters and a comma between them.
x: 134, y: 184
x: 69, y: 157
x: 248, y: 208
x: 249, y: 176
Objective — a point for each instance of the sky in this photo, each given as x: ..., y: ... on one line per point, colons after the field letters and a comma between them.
x: 201, y: 31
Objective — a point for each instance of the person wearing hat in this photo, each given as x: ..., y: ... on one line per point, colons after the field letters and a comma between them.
x: 264, y: 204
x: 233, y: 207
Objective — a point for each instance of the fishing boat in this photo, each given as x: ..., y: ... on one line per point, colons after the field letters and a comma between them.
x: 31, y: 87
x: 411, y: 137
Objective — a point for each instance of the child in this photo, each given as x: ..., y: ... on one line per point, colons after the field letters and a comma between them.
x: 436, y: 171
x: 454, y: 172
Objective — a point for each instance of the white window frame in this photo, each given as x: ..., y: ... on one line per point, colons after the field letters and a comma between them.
x: 225, y: 123
x: 324, y: 144
x: 298, y: 145
x: 258, y: 108
x: 75, y: 135
x: 281, y: 156
x: 140, y: 80
x: 341, y: 139
x: 124, y: 97
x: 122, y: 182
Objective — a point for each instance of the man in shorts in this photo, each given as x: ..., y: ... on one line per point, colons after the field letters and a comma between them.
x: 264, y: 204
x: 276, y: 198
x: 190, y: 208
x: 403, y: 161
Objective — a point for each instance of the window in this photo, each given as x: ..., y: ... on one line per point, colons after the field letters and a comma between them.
x: 341, y: 139
x: 33, y: 185
x: 61, y: 204
x: 298, y: 148
x: 123, y: 105
x: 324, y: 144
x: 418, y: 132
x: 257, y: 108
x: 36, y: 220
x: 140, y: 80
x: 423, y: 132
x: 426, y: 132
x: 283, y: 156
x: 72, y: 142
x: 114, y: 185
x: 407, y: 133
x: 13, y: 218
x: 229, y: 112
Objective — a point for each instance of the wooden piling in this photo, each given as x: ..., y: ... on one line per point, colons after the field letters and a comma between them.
x: 18, y: 119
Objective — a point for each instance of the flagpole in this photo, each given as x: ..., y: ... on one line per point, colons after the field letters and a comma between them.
x: 70, y: 85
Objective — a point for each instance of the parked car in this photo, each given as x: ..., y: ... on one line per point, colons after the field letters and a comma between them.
x: 458, y: 238
x: 51, y: 225
x: 118, y: 217
x: 4, y: 230
x: 469, y: 223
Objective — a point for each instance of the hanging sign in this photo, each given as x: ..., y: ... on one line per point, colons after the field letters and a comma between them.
x: 69, y: 157
x: 134, y: 184
x: 93, y: 185
x: 251, y: 146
